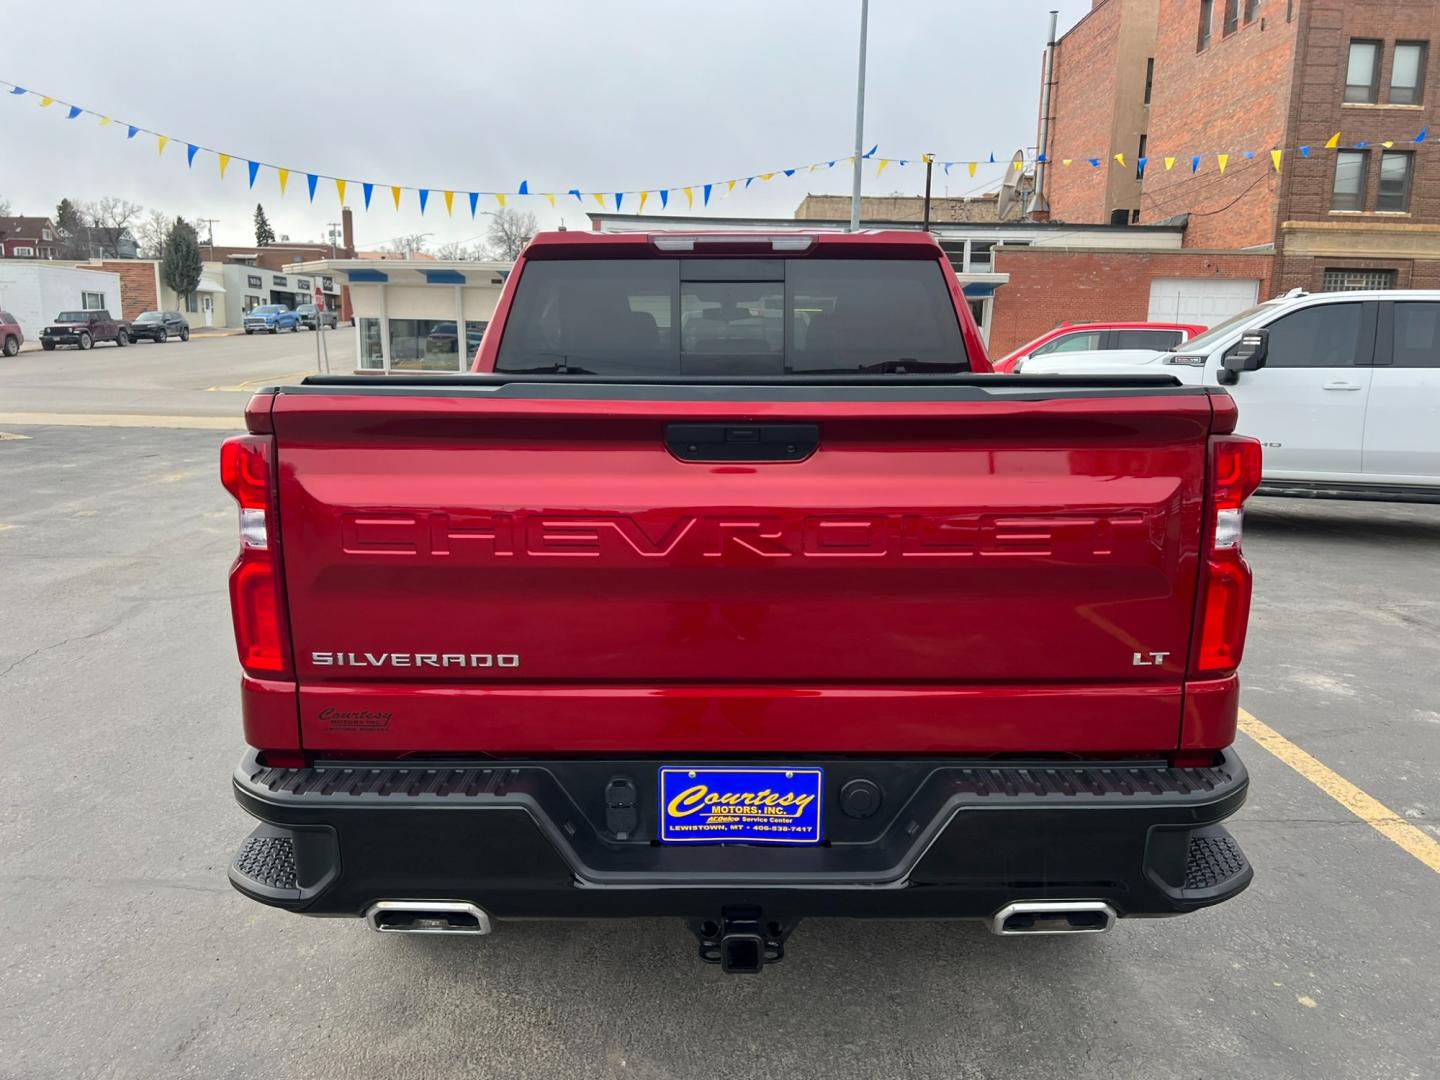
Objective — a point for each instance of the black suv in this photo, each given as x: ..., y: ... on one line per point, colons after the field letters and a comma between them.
x: 160, y: 326
x: 83, y: 329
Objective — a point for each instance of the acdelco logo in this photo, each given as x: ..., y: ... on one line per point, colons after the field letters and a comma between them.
x: 687, y: 537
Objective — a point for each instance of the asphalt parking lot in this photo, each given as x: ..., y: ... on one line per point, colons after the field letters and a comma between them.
x: 128, y: 955
x: 199, y: 377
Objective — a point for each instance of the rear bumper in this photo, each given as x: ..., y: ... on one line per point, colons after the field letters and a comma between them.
x: 533, y: 840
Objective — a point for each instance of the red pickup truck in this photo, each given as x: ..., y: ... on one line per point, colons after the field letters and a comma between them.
x: 732, y: 586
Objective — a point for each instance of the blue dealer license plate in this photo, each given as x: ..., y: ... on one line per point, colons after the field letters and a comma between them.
x: 740, y: 805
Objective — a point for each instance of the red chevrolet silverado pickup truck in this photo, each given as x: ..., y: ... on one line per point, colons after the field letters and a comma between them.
x: 732, y: 585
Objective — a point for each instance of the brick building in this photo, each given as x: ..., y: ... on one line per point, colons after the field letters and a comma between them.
x: 1238, y: 76
x: 944, y: 209
x: 1099, y: 99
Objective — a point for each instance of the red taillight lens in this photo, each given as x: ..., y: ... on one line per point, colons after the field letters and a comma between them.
x: 255, y: 604
x: 1225, y: 612
x: 256, y: 609
x: 1235, y: 468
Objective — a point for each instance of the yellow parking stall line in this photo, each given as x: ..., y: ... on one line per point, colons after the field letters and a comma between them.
x: 126, y: 420
x: 1363, y: 805
x: 251, y: 385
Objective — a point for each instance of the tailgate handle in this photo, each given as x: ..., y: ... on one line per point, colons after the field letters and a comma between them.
x: 742, y: 442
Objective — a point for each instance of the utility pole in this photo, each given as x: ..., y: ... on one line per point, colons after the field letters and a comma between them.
x: 859, y: 118
x: 210, y: 243
x: 929, y: 169
x: 1043, y: 154
x: 334, y: 227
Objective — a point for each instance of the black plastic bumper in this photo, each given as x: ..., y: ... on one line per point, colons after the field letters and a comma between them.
x: 536, y: 840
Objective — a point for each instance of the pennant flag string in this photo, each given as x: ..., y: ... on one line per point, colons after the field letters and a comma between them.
x: 707, y: 189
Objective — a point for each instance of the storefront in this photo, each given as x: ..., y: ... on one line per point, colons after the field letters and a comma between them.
x: 248, y: 287
x: 407, y: 312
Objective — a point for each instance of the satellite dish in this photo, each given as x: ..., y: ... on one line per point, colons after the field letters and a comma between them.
x: 1008, y: 200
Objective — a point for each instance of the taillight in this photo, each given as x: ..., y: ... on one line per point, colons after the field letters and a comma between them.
x: 255, y: 604
x: 1225, y: 602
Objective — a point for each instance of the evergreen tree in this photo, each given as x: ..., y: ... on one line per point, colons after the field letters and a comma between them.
x: 180, y: 265
x: 264, y: 234
x: 71, y: 224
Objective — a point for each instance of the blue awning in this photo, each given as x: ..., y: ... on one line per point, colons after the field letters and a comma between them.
x: 367, y: 275
x: 444, y: 277
x: 975, y: 290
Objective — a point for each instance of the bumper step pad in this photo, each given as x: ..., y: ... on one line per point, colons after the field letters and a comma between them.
x: 268, y: 861
x: 1212, y: 861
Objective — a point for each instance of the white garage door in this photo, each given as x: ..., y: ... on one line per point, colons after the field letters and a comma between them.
x: 1206, y: 301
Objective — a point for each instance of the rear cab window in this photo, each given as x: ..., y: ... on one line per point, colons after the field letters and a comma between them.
x: 732, y: 316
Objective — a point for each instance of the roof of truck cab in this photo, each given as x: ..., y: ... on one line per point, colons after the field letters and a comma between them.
x: 880, y: 243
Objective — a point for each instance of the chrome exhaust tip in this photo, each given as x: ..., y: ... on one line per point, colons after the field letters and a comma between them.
x: 1053, y: 917
x: 428, y: 917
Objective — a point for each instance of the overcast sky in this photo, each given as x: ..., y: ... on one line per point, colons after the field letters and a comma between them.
x: 594, y: 94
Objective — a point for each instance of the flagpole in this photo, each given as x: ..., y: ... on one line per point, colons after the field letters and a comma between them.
x: 859, y: 119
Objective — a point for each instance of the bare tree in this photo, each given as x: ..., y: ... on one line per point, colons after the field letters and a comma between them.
x: 406, y: 246
x: 151, y: 232
x: 109, y: 218
x: 454, y: 251
x: 510, y: 231
x: 4, y: 207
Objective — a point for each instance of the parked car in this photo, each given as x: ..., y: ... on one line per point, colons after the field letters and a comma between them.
x: 629, y: 622
x: 271, y: 318
x: 84, y: 329
x: 1080, y: 363
x: 1094, y: 337
x: 159, y: 326
x: 312, y: 315
x: 1342, y: 389
x: 443, y: 337
x: 11, y: 336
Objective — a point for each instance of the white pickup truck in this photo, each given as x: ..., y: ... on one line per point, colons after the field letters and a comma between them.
x: 1343, y: 389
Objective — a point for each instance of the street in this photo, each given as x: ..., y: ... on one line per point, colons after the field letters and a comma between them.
x: 129, y: 955
x: 197, y: 378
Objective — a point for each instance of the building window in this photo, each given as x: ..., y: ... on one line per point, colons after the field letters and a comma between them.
x: 1252, y: 9
x: 1341, y: 280
x: 1407, y: 73
x: 371, y: 354
x: 251, y: 303
x: 1120, y: 217
x: 24, y: 252
x: 1140, y: 160
x: 1362, y: 75
x: 92, y: 301
x: 192, y: 302
x: 1397, y: 168
x: 253, y: 281
x: 1149, y: 78
x: 1207, y: 16
x: 424, y: 345
x: 279, y: 282
x: 1350, y: 169
x: 1232, y: 17
x: 46, y: 234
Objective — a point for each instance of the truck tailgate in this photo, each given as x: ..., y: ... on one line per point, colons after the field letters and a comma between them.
x: 534, y: 569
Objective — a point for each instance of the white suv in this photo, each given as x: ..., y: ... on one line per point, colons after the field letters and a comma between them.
x: 1342, y: 388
